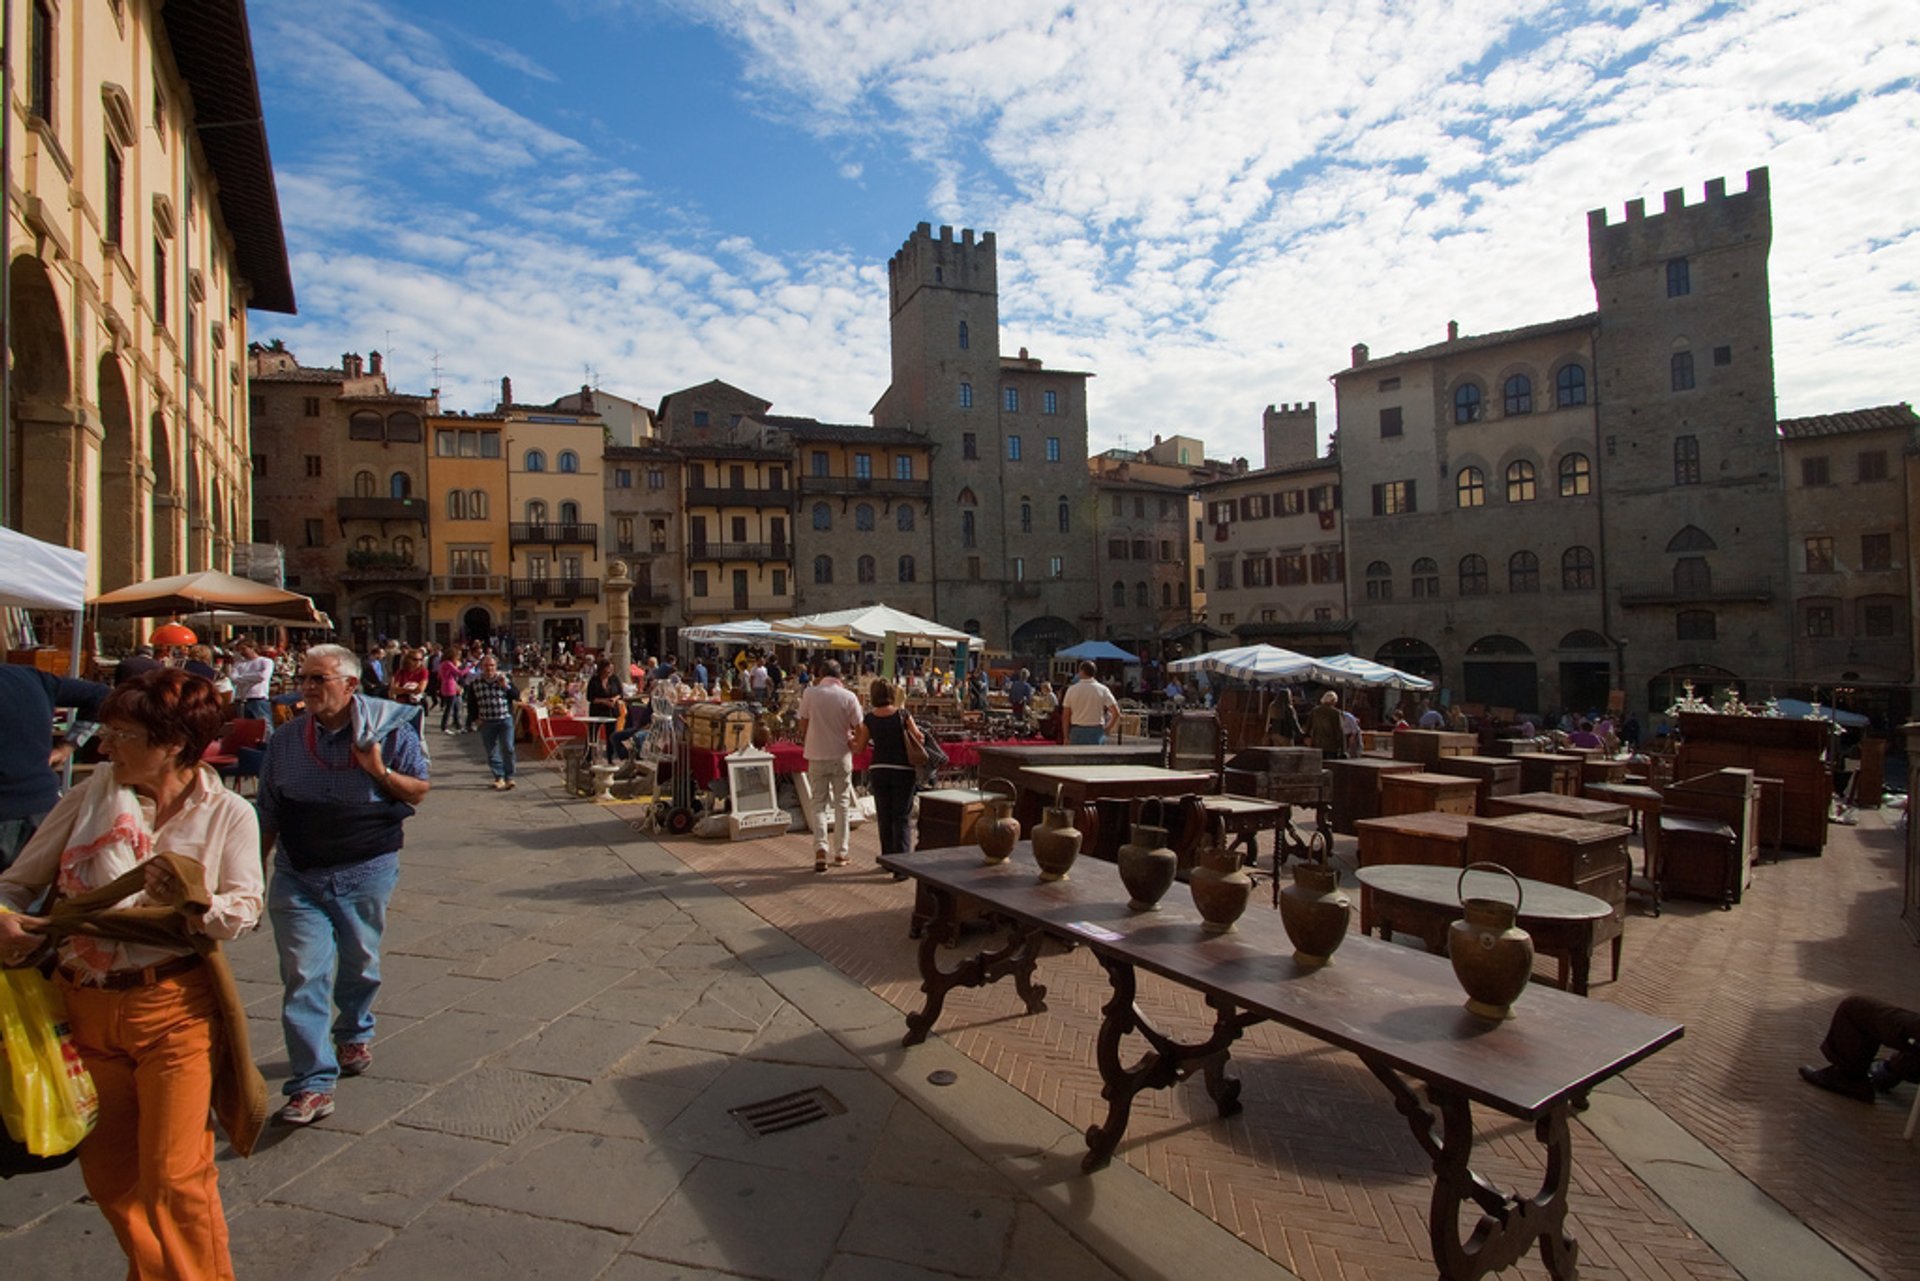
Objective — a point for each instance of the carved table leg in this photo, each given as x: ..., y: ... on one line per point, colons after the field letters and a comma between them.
x: 1508, y: 1224
x: 1017, y: 958
x: 1166, y: 1062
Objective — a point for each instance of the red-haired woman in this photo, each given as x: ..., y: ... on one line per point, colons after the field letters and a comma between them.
x: 146, y: 1019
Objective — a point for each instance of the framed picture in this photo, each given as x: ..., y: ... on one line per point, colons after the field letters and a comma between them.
x: 750, y: 781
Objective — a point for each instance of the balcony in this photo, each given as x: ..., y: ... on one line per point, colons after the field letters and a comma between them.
x: 866, y: 485
x: 553, y: 532
x: 470, y: 584
x: 650, y: 597
x: 555, y: 588
x: 728, y: 496
x: 738, y: 551
x: 381, y: 567
x: 1721, y: 591
x: 414, y: 509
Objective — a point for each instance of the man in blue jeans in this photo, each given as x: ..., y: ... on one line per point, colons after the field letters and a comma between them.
x: 493, y: 698
x: 334, y: 790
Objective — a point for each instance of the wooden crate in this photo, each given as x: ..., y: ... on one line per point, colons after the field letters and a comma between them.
x: 1420, y: 793
x: 1431, y: 839
x: 1599, y: 769
x: 1356, y: 788
x: 1549, y: 772
x: 947, y: 817
x: 1430, y: 745
x: 1495, y: 776
x: 1589, y: 857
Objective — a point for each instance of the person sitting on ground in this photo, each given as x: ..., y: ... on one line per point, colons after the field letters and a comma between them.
x: 1860, y: 1026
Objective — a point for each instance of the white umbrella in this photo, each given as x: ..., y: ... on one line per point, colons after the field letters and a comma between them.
x: 876, y: 622
x: 754, y: 631
x: 1350, y: 669
x: 1250, y: 663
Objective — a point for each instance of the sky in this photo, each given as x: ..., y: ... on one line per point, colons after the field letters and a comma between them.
x: 1203, y: 202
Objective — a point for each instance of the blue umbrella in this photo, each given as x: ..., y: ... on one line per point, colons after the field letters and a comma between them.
x: 1097, y: 650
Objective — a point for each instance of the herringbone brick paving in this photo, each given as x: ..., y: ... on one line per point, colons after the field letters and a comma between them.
x: 1322, y: 1174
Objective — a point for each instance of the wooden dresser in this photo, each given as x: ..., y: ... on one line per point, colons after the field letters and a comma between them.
x: 1589, y: 857
x: 1792, y: 751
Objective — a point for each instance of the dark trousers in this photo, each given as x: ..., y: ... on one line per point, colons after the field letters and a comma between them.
x: 1861, y: 1025
x: 892, y: 805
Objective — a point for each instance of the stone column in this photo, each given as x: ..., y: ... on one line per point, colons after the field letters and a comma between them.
x: 1910, y: 909
x: 619, y: 608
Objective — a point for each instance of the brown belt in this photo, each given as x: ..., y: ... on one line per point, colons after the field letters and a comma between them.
x: 126, y: 980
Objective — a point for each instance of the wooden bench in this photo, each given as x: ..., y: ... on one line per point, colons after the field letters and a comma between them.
x: 1399, y: 1010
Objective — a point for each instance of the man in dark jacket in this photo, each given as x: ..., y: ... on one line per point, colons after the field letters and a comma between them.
x: 1860, y: 1026
x: 28, y: 758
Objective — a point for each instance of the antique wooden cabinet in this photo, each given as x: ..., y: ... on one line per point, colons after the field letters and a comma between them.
x: 1432, y: 839
x: 1496, y: 775
x: 1589, y: 857
x: 1356, y: 788
x: 1793, y: 751
x: 1419, y: 792
x: 1429, y: 745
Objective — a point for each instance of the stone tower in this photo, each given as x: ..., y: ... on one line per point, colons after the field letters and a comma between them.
x: 1689, y: 469
x: 1010, y: 488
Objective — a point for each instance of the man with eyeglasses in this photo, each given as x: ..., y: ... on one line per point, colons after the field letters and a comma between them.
x: 334, y: 807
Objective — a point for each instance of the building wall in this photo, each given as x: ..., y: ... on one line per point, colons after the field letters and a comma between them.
x: 650, y: 508
x: 128, y: 380
x: 1141, y: 534
x: 901, y: 558
x: 730, y: 578
x: 470, y: 557
x: 558, y: 577
x: 1723, y: 322
x: 1274, y: 552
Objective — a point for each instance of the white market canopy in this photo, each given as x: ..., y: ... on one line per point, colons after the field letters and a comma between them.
x: 876, y: 622
x: 37, y: 575
x: 1272, y: 663
x: 755, y: 631
x: 1350, y: 669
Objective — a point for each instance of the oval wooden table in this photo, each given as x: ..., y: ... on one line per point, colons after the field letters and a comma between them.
x: 1422, y: 900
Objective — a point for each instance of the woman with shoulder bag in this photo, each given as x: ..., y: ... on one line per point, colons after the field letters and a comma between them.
x: 892, y: 774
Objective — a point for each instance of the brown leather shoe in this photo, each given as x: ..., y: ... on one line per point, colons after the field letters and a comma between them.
x: 1834, y: 1080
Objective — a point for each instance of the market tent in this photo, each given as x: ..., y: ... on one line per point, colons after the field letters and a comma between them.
x: 1350, y: 669
x: 208, y: 589
x: 757, y: 631
x: 1250, y: 663
x: 240, y: 618
x: 876, y: 622
x: 1098, y: 651
x: 37, y: 575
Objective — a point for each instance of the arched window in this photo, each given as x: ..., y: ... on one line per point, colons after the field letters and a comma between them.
x: 1140, y: 596
x: 404, y: 425
x: 366, y: 425
x: 1523, y: 572
x: 822, y: 516
x: 1426, y: 577
x: 966, y: 395
x: 823, y: 569
x: 536, y: 461
x: 1166, y: 596
x: 400, y: 485
x: 1692, y: 538
x: 963, y: 335
x: 903, y: 519
x: 1576, y: 570
x: 365, y: 543
x: 568, y: 460
x: 1026, y: 516
x: 1473, y: 575
x: 1517, y: 396
x: 363, y: 484
x: 569, y: 512
x: 1570, y: 386
x: 906, y: 569
x: 1379, y: 581
x: 537, y: 512
x: 1576, y: 476
x: 456, y: 504
x: 1692, y: 574
x: 863, y: 569
x: 403, y: 549
x: 1470, y: 487
x: 1520, y: 482
x: 1466, y: 403
x: 863, y: 517
x: 1681, y: 369
x: 1066, y: 516
x: 1119, y: 592
x: 477, y: 504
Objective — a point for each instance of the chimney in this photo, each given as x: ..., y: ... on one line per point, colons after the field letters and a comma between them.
x: 373, y: 362
x: 1453, y: 331
x: 350, y: 364
x: 506, y: 392
x: 1023, y: 353
x: 1359, y: 354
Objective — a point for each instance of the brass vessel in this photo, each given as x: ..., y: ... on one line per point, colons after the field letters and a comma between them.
x: 1492, y: 956
x: 997, y: 831
x: 1221, y: 887
x: 1147, y: 863
x: 1315, y: 912
x: 1056, y: 842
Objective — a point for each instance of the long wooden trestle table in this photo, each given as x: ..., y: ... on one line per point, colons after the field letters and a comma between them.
x: 1400, y: 1010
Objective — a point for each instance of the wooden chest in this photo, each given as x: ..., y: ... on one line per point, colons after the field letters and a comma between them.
x: 947, y: 817
x: 1584, y: 808
x: 1495, y: 776
x: 1356, y: 788
x: 1589, y: 857
x: 1429, y: 745
x: 720, y: 727
x: 1432, y: 839
x: 1599, y: 769
x: 1549, y: 772
x: 1421, y: 793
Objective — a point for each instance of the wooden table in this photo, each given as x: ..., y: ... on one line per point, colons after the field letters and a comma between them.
x: 1429, y: 745
x: 1399, y: 1010
x: 1497, y: 775
x: 1433, y: 839
x: 1549, y: 772
x: 1243, y: 818
x: 1424, y: 901
x: 1420, y: 793
x: 1356, y: 788
x: 1580, y: 807
x: 1084, y: 787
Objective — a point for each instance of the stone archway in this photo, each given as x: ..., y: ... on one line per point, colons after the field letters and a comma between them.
x: 1414, y: 657
x: 165, y: 499
x: 1045, y: 636
x: 199, y: 526
x: 44, y: 476
x: 122, y: 539
x: 1500, y: 671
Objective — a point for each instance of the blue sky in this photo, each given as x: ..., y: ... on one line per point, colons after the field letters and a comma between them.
x: 1204, y: 202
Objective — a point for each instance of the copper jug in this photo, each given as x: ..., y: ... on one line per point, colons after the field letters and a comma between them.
x: 1315, y: 911
x: 1056, y: 842
x: 1492, y: 956
x: 1221, y: 887
x: 997, y: 830
x: 1147, y: 863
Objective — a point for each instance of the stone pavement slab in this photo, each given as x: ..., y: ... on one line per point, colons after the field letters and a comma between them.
x: 453, y: 1240
x: 592, y: 1179
x: 752, y: 1219
x: 300, y: 1245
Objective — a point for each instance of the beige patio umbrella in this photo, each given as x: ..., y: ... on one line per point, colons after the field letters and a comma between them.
x: 207, y: 590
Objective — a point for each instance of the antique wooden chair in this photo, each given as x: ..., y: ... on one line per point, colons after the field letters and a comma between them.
x: 1195, y: 741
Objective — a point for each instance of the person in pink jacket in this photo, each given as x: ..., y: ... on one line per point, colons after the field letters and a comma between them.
x: 449, y: 678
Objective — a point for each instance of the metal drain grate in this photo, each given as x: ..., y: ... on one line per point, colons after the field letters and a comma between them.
x: 787, y: 1112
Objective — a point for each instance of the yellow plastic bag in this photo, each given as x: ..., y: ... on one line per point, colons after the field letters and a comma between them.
x: 47, y: 1099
